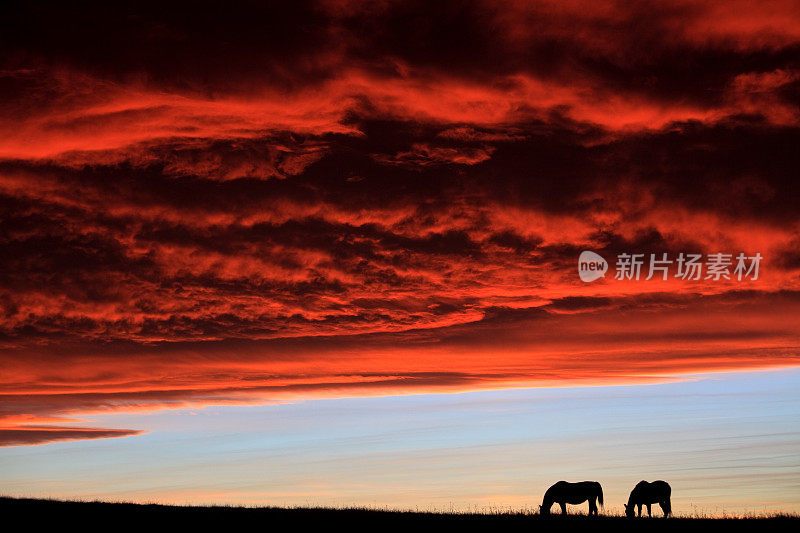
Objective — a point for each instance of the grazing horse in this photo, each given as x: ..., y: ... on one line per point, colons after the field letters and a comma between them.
x: 574, y: 493
x: 645, y: 493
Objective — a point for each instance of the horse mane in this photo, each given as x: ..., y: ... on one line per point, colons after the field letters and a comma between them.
x: 637, y: 490
x: 549, y: 498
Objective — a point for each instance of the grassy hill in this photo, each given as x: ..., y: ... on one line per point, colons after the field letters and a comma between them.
x: 109, y: 516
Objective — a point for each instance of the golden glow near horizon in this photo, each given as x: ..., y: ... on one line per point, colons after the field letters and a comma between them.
x: 725, y: 442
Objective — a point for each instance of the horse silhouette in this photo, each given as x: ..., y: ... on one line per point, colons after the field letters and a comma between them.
x: 563, y: 493
x: 645, y: 493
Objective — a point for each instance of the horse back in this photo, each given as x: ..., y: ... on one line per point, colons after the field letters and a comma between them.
x: 661, y: 487
x: 556, y: 489
x: 646, y: 492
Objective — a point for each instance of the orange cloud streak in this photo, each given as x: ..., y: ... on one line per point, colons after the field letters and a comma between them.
x: 353, y: 211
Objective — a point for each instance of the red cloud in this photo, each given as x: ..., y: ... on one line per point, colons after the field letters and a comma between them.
x: 622, y: 340
x: 27, y: 436
x: 345, y: 210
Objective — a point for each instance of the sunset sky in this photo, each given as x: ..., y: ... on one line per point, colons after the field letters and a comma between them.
x: 326, y: 253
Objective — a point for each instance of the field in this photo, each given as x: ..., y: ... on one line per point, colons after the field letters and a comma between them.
x: 110, y: 516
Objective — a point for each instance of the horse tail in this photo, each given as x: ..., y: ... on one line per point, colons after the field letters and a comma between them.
x: 600, y: 494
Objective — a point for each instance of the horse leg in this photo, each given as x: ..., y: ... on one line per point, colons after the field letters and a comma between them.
x: 592, y: 506
x: 563, y: 508
x: 666, y: 505
x: 663, y: 506
x: 639, y: 505
x: 649, y: 511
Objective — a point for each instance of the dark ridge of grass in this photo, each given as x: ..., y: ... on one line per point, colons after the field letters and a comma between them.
x: 106, y: 515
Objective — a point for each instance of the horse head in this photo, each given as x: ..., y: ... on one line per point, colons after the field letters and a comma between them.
x: 629, y: 510
x: 544, y: 511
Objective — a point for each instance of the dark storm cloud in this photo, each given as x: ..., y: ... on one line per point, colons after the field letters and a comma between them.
x: 686, y: 51
x: 257, y: 198
x: 739, y: 166
x: 180, y: 44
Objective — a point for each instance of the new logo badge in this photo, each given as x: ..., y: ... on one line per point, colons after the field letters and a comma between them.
x: 591, y: 266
